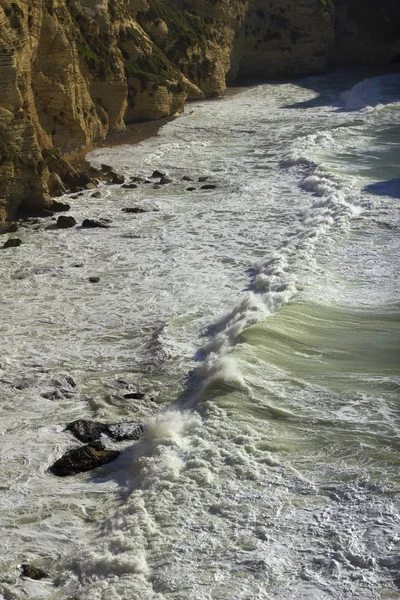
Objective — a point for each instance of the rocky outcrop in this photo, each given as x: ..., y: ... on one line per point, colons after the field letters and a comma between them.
x: 71, y: 71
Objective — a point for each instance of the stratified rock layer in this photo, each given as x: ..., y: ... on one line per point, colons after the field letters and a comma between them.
x: 72, y: 71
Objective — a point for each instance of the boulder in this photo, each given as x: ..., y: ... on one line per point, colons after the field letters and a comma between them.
x: 186, y: 178
x: 190, y: 189
x: 164, y: 179
x: 12, y: 243
x: 158, y: 174
x: 96, y: 195
x: 129, y: 186
x: 64, y: 222
x: 137, y: 179
x: 90, y: 223
x: 82, y: 459
x: 203, y: 178
x: 208, y: 187
x: 105, y: 168
x: 33, y: 572
x: 91, y: 185
x: 86, y: 431
x: 94, y: 279
x: 56, y: 206
x: 116, y: 178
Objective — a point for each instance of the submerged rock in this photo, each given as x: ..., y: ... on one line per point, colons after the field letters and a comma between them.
x: 90, y: 223
x: 208, y: 187
x: 133, y: 209
x: 94, y: 279
x: 204, y: 178
x: 56, y: 206
x: 120, y: 432
x: 12, y: 243
x: 33, y: 572
x: 191, y: 189
x: 186, y: 178
x: 85, y: 458
x: 96, y: 195
x: 134, y: 396
x: 129, y: 186
x: 164, y: 180
x: 64, y: 222
x: 158, y: 174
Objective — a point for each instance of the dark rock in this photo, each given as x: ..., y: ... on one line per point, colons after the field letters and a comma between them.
x: 129, y: 186
x: 190, y: 189
x: 85, y: 458
x: 156, y: 186
x: 105, y: 169
x: 33, y: 572
x: 204, y: 178
x: 96, y: 195
x: 116, y: 178
x: 186, y: 178
x: 125, y: 431
x: 12, y: 243
x: 59, y: 206
x: 64, y: 222
x: 86, y: 431
x: 94, y: 279
x: 164, y: 179
x: 90, y: 223
x: 136, y: 179
x: 8, y: 227
x: 134, y: 209
x: 158, y: 174
x: 135, y: 395
x: 147, y: 181
x: 208, y: 187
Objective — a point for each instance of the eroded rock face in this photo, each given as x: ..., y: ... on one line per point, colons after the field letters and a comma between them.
x: 71, y: 71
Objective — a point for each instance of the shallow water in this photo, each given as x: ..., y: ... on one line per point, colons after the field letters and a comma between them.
x: 261, y: 318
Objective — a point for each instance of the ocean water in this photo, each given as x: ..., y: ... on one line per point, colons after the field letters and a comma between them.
x: 261, y: 319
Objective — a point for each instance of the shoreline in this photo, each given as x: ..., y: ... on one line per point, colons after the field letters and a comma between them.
x: 134, y: 133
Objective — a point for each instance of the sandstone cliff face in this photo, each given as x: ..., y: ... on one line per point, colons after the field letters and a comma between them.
x: 281, y: 39
x: 73, y: 70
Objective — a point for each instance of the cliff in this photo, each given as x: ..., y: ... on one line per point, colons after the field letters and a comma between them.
x: 72, y: 71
